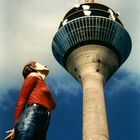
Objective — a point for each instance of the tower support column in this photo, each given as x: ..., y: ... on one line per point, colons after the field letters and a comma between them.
x: 94, y: 112
x: 92, y: 65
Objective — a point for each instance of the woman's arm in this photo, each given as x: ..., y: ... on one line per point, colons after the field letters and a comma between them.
x: 28, y: 85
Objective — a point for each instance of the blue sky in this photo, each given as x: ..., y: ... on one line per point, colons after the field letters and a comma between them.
x: 26, y: 31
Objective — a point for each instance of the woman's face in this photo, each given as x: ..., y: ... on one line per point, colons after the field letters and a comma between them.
x: 43, y: 68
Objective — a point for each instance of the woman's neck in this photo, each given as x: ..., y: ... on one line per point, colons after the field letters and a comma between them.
x: 41, y: 75
x: 38, y: 74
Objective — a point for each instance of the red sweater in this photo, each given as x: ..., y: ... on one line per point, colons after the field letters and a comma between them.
x: 34, y: 90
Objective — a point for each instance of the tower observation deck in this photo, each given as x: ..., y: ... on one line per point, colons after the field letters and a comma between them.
x: 91, y: 44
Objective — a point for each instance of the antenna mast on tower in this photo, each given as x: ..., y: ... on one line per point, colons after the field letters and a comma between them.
x: 89, y: 1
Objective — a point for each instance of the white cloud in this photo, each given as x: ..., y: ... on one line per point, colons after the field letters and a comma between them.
x: 123, y: 80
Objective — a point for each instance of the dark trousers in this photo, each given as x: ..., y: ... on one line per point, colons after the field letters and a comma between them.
x: 33, y: 124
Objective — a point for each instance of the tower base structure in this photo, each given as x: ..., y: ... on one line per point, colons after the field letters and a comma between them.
x: 92, y: 65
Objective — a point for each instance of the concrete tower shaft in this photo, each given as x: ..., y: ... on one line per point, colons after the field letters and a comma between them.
x: 92, y: 65
x: 92, y: 58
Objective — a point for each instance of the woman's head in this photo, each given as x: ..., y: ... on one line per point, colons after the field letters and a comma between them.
x: 28, y: 68
x: 34, y: 66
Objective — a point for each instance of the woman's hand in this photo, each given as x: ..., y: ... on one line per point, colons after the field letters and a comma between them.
x: 11, y: 134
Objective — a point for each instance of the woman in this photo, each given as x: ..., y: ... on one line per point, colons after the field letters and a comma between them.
x: 34, y: 105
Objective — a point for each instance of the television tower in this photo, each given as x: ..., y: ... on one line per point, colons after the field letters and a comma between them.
x: 91, y: 44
